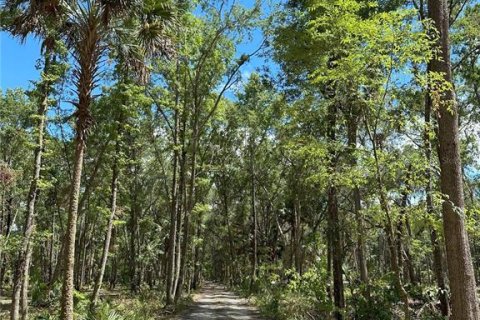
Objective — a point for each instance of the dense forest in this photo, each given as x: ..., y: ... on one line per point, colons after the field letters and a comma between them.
x: 319, y: 157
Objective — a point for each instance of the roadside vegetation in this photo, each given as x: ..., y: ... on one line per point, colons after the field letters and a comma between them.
x: 321, y: 157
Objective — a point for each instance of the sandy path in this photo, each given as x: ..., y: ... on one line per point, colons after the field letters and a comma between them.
x: 214, y: 302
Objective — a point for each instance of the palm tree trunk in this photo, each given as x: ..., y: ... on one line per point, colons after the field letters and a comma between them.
x: 84, y: 121
x: 69, y: 254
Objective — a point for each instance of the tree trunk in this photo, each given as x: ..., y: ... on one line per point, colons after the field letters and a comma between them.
x: 253, y: 209
x: 134, y: 233
x: 21, y: 275
x: 460, y: 268
x: 85, y: 84
x: 196, y: 256
x: 173, y: 219
x: 113, y: 209
x: 69, y: 254
x: 437, y: 250
x: 188, y: 210
x: 403, y: 246
x: 113, y: 271
x: 389, y: 229
x: 357, y: 206
x: 334, y: 228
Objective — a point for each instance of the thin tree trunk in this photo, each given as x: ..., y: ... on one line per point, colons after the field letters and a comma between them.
x: 334, y: 221
x: 389, y: 229
x: 196, y: 256
x: 460, y: 268
x: 134, y: 212
x: 21, y: 276
x: 181, y: 208
x: 173, y: 218
x: 25, y: 283
x: 189, y: 207
x: 113, y: 271
x: 357, y: 207
x: 113, y: 209
x: 51, y: 253
x: 436, y: 248
x: 403, y: 247
x: 175, y: 205
x: 253, y: 209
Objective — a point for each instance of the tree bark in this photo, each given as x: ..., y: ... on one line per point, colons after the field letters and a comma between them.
x: 334, y: 228
x: 173, y: 218
x: 460, y: 268
x: 69, y: 254
x: 85, y: 84
x: 437, y: 250
x: 188, y: 210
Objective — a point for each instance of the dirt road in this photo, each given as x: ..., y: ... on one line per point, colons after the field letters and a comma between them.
x: 214, y: 302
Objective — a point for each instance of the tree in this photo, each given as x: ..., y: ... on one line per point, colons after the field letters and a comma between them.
x: 39, y: 19
x: 460, y: 268
x: 88, y: 29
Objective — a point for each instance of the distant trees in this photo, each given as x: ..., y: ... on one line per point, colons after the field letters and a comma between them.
x: 311, y: 182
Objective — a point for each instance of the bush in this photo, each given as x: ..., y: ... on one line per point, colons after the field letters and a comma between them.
x: 379, y: 305
x: 288, y: 295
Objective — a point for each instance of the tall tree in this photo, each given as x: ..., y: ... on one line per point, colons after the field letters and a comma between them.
x: 89, y: 27
x: 460, y: 268
x: 21, y: 19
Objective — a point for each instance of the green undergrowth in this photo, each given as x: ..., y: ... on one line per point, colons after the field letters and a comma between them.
x: 116, y: 305
x: 286, y: 295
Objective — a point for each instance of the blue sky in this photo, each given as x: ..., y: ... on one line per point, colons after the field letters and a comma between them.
x: 17, y: 62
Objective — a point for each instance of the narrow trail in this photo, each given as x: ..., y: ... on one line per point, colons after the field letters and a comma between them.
x: 214, y: 302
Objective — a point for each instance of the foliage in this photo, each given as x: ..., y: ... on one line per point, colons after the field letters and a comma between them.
x: 213, y: 159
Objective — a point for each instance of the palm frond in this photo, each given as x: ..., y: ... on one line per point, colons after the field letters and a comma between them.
x: 115, y: 8
x: 154, y: 40
x: 22, y: 18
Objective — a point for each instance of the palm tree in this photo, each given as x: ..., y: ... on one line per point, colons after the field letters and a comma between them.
x: 133, y: 49
x: 90, y: 28
x: 20, y: 19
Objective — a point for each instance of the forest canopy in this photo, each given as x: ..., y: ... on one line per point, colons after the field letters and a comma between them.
x: 317, y: 157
